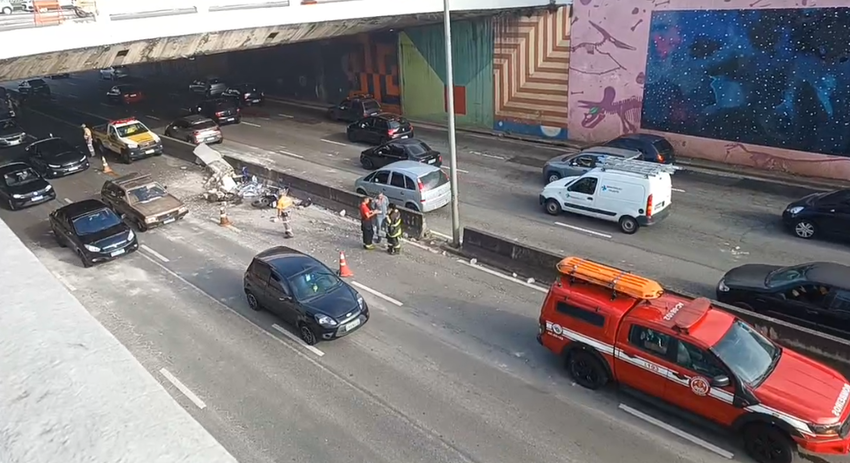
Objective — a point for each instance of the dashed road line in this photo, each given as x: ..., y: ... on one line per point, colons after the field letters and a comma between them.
x: 154, y: 253
x: 333, y: 142
x: 71, y: 84
x: 152, y: 117
x: 678, y: 190
x: 297, y: 340
x: 182, y: 388
x: 583, y: 230
x: 174, y: 95
x: 459, y: 170
x: 64, y: 281
x: 504, y: 277
x: 251, y: 124
x: 684, y: 435
x: 31, y: 137
x: 72, y: 96
x: 287, y: 153
x: 286, y: 116
x: 377, y: 293
x: 487, y: 155
x: 68, y: 201
x: 106, y: 105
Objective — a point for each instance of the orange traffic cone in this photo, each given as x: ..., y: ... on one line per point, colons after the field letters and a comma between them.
x: 106, y: 168
x: 222, y: 218
x: 344, y: 271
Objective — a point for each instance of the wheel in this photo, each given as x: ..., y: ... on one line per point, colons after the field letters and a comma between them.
x: 586, y: 370
x: 805, y: 229
x: 768, y: 444
x: 361, y: 191
x: 351, y: 137
x: 307, y: 335
x: 140, y: 224
x: 58, y: 240
x: 83, y: 259
x: 7, y: 10
x: 552, y: 177
x: 367, y: 163
x: 552, y: 206
x: 190, y: 141
x: 253, y: 303
x: 11, y: 205
x: 412, y: 207
x: 628, y: 225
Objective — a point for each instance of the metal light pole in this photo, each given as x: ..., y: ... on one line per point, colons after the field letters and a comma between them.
x: 450, y: 106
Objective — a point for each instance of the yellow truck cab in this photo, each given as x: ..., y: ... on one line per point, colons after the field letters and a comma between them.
x: 130, y: 139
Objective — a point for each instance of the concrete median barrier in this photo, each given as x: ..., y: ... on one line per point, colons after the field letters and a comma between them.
x: 528, y: 261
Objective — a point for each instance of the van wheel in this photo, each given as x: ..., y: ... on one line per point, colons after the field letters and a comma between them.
x: 552, y: 177
x: 586, y: 370
x: 628, y: 225
x: 768, y: 444
x: 552, y: 206
x: 412, y: 207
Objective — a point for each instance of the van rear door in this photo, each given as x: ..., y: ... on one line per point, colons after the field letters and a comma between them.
x: 661, y: 189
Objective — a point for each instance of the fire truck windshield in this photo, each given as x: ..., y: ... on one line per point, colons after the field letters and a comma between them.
x: 750, y: 356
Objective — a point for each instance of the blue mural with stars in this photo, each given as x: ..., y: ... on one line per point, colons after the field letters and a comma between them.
x: 771, y: 77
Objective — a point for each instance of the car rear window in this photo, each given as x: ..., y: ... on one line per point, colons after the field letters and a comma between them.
x: 38, y: 83
x: 398, y: 123
x: 371, y: 105
x: 225, y: 104
x: 418, y: 149
x: 663, y: 146
x: 433, y: 180
x: 206, y: 124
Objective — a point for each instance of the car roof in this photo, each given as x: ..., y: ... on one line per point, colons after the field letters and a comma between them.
x: 406, y: 141
x: 126, y: 86
x: 80, y: 208
x: 647, y: 137
x: 13, y: 167
x: 609, y: 151
x: 412, y: 167
x: 288, y: 261
x: 132, y: 180
x: 50, y: 139
x: 390, y: 117
x: 709, y: 323
x: 194, y: 118
x: 829, y: 273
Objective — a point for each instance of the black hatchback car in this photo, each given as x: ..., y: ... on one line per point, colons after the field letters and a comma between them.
x: 34, y: 87
x: 305, y: 293
x: 820, y: 214
x: 354, y: 108
x: 409, y: 149
x: 817, y: 292
x: 654, y: 148
x: 221, y: 110
x: 93, y: 231
x: 21, y: 186
x: 245, y: 94
x: 54, y: 157
x: 380, y: 129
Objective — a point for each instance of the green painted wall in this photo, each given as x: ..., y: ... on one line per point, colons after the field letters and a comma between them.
x: 423, y: 70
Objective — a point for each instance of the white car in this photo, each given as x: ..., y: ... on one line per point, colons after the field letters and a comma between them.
x: 6, y: 7
x: 113, y: 73
x: 63, y: 4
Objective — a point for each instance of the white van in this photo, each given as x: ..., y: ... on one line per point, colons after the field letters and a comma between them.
x: 631, y: 192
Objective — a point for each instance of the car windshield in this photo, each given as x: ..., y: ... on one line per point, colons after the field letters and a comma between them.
x: 433, y: 180
x: 131, y: 129
x: 371, y: 105
x: 203, y: 124
x: 96, y: 221
x: 418, y: 149
x: 835, y: 197
x: 8, y: 124
x: 20, y: 177
x: 146, y: 194
x: 313, y: 283
x: 127, y: 89
x: 787, y: 275
x: 38, y: 83
x: 750, y: 356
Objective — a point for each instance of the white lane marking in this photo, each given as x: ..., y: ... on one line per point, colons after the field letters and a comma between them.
x: 182, y: 388
x: 377, y: 293
x: 486, y: 155
x: 442, y: 235
x: 152, y: 117
x: 678, y: 190
x: 684, y: 435
x: 421, y: 246
x: 31, y: 137
x: 333, y: 142
x: 290, y: 154
x: 174, y: 95
x: 584, y: 230
x: 154, y: 253
x: 104, y: 105
x: 71, y: 84
x: 218, y: 222
x: 64, y: 282
x: 504, y: 277
x: 68, y: 201
x: 72, y: 96
x: 459, y: 170
x: 286, y: 116
x: 184, y: 109
x: 297, y: 340
x: 251, y: 124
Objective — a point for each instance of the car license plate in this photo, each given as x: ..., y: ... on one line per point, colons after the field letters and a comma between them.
x: 167, y: 221
x: 117, y: 253
x: 231, y: 119
x: 37, y: 198
x: 404, y: 136
x: 210, y: 139
x: 431, y: 161
x: 352, y: 325
x: 150, y: 151
x: 74, y: 167
x: 14, y: 142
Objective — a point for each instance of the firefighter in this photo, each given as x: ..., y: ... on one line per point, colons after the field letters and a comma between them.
x: 394, y: 230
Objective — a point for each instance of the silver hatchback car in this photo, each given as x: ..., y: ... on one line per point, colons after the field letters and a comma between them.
x: 575, y: 164
x: 409, y: 184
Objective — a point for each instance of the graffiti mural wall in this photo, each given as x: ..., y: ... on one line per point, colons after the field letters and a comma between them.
x: 531, y: 74
x: 423, y: 72
x: 746, y: 82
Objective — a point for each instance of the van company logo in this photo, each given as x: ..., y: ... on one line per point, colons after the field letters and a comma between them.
x: 700, y: 386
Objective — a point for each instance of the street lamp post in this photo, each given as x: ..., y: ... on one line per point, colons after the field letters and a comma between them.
x: 450, y: 107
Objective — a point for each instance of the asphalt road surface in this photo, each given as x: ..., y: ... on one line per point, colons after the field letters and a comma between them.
x: 715, y: 225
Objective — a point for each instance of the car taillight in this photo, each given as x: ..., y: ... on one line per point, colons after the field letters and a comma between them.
x: 219, y: 114
x: 421, y: 185
x: 649, y: 206
x: 247, y: 97
x: 238, y: 110
x: 391, y: 132
x: 659, y: 157
x: 440, y: 159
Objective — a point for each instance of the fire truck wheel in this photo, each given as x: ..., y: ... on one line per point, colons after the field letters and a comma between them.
x: 586, y: 370
x: 766, y: 443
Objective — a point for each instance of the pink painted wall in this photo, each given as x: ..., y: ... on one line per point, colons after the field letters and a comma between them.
x: 607, y: 68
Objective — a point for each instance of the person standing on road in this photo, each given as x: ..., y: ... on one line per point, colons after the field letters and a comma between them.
x: 381, y: 203
x: 88, y: 137
x: 366, y: 226
x: 394, y: 230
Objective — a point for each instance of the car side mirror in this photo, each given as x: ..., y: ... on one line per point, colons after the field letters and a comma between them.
x: 720, y: 381
x: 362, y: 126
x: 165, y: 187
x: 123, y: 216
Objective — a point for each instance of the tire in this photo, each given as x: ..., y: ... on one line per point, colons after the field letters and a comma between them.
x: 805, y: 229
x: 368, y: 164
x: 768, y: 444
x: 7, y: 10
x: 552, y: 206
x: 307, y: 335
x: 59, y: 240
x: 628, y: 225
x: 140, y: 225
x: 11, y: 205
x: 86, y: 263
x: 361, y: 191
x: 253, y: 303
x: 586, y: 370
x: 552, y: 177
x: 412, y: 207
x: 350, y: 137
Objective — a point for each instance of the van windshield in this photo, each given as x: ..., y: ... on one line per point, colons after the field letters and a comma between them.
x: 433, y: 180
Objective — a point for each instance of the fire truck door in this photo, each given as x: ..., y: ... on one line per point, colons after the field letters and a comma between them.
x: 637, y: 358
x: 696, y: 384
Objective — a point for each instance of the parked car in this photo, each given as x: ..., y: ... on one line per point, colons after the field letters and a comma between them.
x: 142, y: 201
x: 409, y: 149
x: 305, y: 293
x: 209, y: 87
x: 576, y: 164
x: 124, y: 94
x: 34, y: 87
x: 221, y: 110
x: 246, y: 94
x: 28, y: 5
x: 11, y: 134
x: 54, y: 157
x: 409, y: 184
x: 818, y: 292
x: 114, y: 73
x: 653, y: 147
x: 21, y: 186
x: 93, y: 231
x: 355, y: 108
x: 61, y: 75
x: 195, y: 129
x: 380, y: 129
x: 820, y: 214
x: 6, y: 7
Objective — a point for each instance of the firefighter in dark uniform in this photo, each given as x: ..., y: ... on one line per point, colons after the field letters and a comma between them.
x: 394, y: 230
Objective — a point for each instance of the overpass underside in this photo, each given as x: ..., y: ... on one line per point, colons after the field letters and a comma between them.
x: 172, y: 48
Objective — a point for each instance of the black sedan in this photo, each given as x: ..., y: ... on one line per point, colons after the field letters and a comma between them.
x: 246, y: 94
x: 409, y: 149
x: 826, y: 214
x: 380, y: 129
x: 654, y: 148
x: 11, y: 134
x: 93, y: 231
x: 221, y: 110
x: 21, y: 186
x: 54, y: 157
x: 305, y: 293
x: 817, y: 292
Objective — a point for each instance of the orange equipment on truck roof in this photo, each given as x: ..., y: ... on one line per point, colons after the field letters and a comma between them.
x: 615, y: 279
